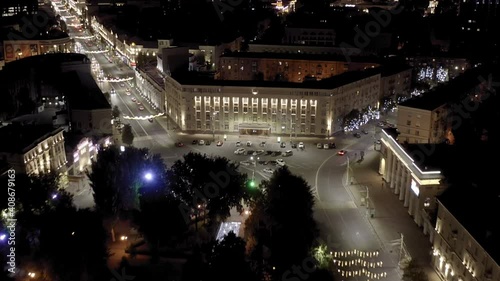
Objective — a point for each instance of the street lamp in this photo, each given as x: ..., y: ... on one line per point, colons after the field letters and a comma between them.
x: 148, y: 176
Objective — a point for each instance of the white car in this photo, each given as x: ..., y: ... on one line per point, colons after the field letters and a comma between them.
x: 287, y: 153
x: 301, y: 145
x: 240, y: 151
x: 326, y: 146
x: 141, y: 108
x: 249, y: 143
x: 319, y: 145
x: 268, y: 170
x: 280, y: 162
x: 245, y: 163
x: 201, y: 142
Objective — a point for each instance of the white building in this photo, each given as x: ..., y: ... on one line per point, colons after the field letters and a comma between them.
x: 264, y: 107
x: 33, y: 149
x: 466, y: 244
x: 407, y: 171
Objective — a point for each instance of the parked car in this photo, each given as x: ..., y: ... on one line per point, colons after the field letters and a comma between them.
x: 249, y: 143
x: 179, y: 144
x: 301, y: 145
x: 238, y: 143
x: 262, y: 144
x: 207, y: 142
x: 280, y: 162
x: 294, y: 145
x: 268, y: 171
x: 319, y: 145
x: 194, y: 142
x: 269, y: 152
x: 240, y: 151
x: 326, y: 146
x: 258, y: 152
x: 150, y: 120
x: 220, y: 143
x: 276, y: 153
x: 357, y: 135
x: 141, y: 108
x: 332, y: 145
x: 287, y: 153
x: 245, y: 163
x: 133, y: 99
x: 201, y: 142
x: 283, y: 144
x: 364, y: 132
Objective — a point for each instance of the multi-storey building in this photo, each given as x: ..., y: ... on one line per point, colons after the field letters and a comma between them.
x: 309, y: 36
x: 33, y: 149
x: 79, y: 153
x: 11, y: 8
x: 412, y: 172
x: 288, y: 67
x: 466, y: 246
x: 396, y: 80
x: 429, y: 119
x: 439, y: 69
x: 265, y: 107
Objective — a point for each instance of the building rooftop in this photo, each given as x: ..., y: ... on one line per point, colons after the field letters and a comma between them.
x: 83, y: 92
x: 47, y: 60
x: 429, y: 157
x: 19, y: 138
x: 193, y: 78
x: 476, y: 208
x: 153, y: 73
x: 451, y: 92
x: 52, y: 34
x: 294, y: 56
x: 391, y: 69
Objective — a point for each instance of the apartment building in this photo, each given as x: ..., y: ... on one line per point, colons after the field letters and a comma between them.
x: 310, y: 36
x: 33, y: 149
x: 413, y: 173
x: 466, y: 246
x: 396, y: 80
x: 288, y: 67
x: 431, y: 117
x: 200, y: 104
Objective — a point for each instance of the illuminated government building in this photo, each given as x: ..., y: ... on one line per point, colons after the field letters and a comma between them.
x: 268, y: 107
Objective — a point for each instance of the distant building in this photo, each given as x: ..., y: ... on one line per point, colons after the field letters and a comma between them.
x: 10, y: 8
x: 33, y: 149
x: 395, y: 80
x: 466, y: 245
x: 428, y: 118
x: 426, y: 68
x: 201, y: 104
x: 309, y: 36
x: 287, y: 67
x: 303, y: 49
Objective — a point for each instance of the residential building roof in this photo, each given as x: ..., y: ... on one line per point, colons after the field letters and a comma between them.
x: 295, y: 56
x: 19, y: 138
x: 451, y: 92
x: 47, y: 59
x: 391, y: 69
x: 192, y: 78
x: 476, y: 208
x: 83, y: 92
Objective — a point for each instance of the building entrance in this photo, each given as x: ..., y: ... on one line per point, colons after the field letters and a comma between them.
x: 256, y: 129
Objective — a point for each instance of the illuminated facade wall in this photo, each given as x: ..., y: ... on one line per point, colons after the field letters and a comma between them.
x: 285, y: 110
x: 80, y: 158
x: 417, y: 188
x: 457, y: 255
x: 44, y: 156
x: 421, y: 125
x: 18, y: 49
x: 396, y: 84
x: 291, y: 70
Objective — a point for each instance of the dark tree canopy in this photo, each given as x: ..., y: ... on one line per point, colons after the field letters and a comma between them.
x: 213, y: 182
x: 127, y: 135
x: 282, y: 220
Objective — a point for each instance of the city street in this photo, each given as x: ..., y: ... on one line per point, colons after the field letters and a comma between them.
x: 341, y: 184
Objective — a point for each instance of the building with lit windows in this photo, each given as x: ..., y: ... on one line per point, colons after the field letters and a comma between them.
x: 429, y: 119
x: 10, y: 8
x: 396, y: 80
x: 80, y: 153
x: 466, y: 244
x: 309, y: 36
x: 288, y: 67
x: 198, y: 104
x: 412, y: 172
x: 33, y: 149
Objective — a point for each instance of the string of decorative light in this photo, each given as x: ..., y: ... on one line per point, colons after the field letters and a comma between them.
x: 362, y: 272
x: 358, y: 253
x: 357, y: 262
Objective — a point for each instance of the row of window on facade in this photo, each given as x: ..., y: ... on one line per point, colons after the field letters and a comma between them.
x: 273, y: 118
x: 218, y: 126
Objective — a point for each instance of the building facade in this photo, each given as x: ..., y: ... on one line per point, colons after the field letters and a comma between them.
x: 457, y: 255
x: 269, y: 107
x: 285, y: 67
x: 396, y: 81
x: 19, y: 49
x: 43, y: 150
x: 80, y: 156
x: 151, y: 85
x: 309, y: 36
x: 404, y: 171
x: 302, y: 49
x: 92, y: 121
x: 422, y: 125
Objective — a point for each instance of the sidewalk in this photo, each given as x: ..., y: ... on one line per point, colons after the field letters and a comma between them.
x: 390, y: 217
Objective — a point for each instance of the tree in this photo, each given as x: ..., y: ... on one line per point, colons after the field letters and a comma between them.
x: 116, y: 112
x: 127, y: 135
x: 227, y: 261
x: 282, y: 220
x: 414, y: 272
x: 117, y: 178
x: 212, y: 182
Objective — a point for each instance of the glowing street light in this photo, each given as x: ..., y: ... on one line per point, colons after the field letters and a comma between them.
x: 2, y: 237
x: 148, y: 176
